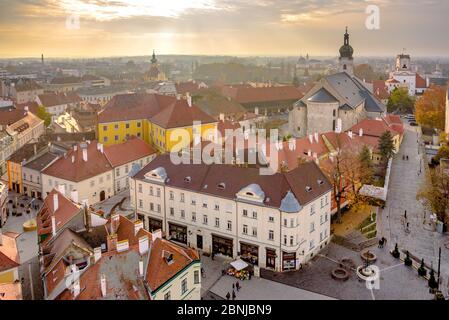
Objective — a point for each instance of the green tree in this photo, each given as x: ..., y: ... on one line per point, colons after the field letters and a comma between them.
x: 400, y: 101
x: 366, y: 166
x: 44, y: 115
x: 386, y: 146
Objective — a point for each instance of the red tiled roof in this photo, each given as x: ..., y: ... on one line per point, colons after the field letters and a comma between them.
x: 130, y: 150
x: 158, y: 270
x: 380, y: 89
x: 372, y: 127
x: 57, y: 99
x: 179, y: 114
x: 420, y: 82
x: 262, y: 94
x: 187, y: 87
x: 11, y: 115
x: 123, y: 107
x: 66, y: 211
x: 9, y: 255
x: 32, y: 106
x: 79, y: 170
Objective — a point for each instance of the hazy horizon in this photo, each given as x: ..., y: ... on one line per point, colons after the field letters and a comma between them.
x: 266, y: 28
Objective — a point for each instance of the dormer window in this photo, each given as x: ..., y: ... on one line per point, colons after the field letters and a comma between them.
x: 320, y: 182
x: 221, y: 186
x: 187, y: 179
x: 308, y: 189
x: 250, y: 194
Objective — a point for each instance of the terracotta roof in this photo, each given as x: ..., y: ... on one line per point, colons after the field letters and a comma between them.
x: 420, y: 82
x: 57, y: 99
x: 180, y: 114
x: 130, y: 150
x: 80, y: 170
x: 214, y: 103
x: 206, y: 178
x: 158, y: 270
x: 9, y: 255
x: 262, y: 94
x: 32, y: 106
x: 222, y: 126
x: 380, y: 90
x: 373, y: 127
x: 9, y: 116
x: 66, y: 211
x: 187, y: 87
x: 123, y: 107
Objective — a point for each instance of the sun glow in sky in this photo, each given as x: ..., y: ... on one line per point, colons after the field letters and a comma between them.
x: 231, y: 27
x: 105, y: 10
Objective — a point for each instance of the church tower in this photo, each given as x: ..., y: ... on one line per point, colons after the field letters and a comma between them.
x: 346, y: 59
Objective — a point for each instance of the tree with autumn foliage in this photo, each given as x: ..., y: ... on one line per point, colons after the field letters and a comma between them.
x: 430, y: 108
x: 434, y: 193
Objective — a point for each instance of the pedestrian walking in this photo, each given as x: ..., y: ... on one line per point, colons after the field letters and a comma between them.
x: 233, y: 286
x: 380, y: 244
x: 237, y: 285
x: 233, y: 295
x: 405, y: 214
x: 228, y: 296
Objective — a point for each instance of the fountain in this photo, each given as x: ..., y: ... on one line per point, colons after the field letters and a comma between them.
x: 367, y: 272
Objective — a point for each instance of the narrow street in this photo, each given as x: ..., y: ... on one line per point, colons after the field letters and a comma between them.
x: 405, y: 182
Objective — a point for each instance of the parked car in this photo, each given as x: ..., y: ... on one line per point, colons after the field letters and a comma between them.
x: 413, y: 124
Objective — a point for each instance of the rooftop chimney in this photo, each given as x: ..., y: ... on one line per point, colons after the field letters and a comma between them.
x: 85, y: 154
x: 189, y: 101
x: 222, y: 116
x: 103, y: 285
x: 156, y: 235
x: 74, y: 195
x: 141, y: 267
x: 61, y: 188
x: 73, y: 159
x: 316, y: 137
x: 115, y: 222
x: 256, y: 110
x: 361, y: 132
x: 350, y: 134
x: 55, y: 202
x: 309, y: 153
x: 53, y: 225
x: 144, y: 244
x: 311, y: 138
x: 97, y: 254
x: 137, y: 226
x: 122, y: 245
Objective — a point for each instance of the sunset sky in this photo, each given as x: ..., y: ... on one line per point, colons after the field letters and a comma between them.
x: 230, y: 27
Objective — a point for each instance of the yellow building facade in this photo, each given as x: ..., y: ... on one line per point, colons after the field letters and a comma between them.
x: 153, y: 134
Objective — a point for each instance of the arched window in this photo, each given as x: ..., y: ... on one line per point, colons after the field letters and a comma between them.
x: 344, y: 67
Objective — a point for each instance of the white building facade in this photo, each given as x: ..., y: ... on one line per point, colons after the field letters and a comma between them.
x: 277, y: 234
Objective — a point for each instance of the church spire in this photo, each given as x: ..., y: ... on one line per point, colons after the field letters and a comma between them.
x: 153, y: 59
x: 346, y: 41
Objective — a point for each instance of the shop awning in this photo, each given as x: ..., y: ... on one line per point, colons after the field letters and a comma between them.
x: 239, y: 264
